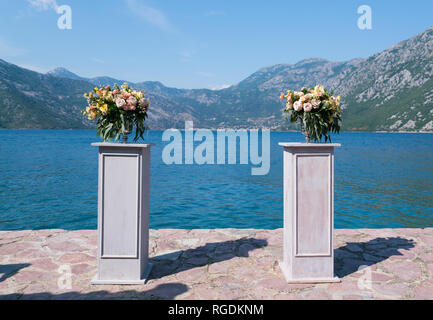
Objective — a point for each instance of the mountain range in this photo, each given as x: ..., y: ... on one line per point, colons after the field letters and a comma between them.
x: 389, y: 91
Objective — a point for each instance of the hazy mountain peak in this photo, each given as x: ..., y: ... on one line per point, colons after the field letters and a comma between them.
x: 59, y: 69
x: 153, y: 83
x: 64, y: 73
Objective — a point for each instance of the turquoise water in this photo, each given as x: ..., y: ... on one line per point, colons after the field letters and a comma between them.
x: 48, y: 179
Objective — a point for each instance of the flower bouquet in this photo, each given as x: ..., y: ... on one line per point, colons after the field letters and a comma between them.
x: 116, y: 111
x: 317, y: 110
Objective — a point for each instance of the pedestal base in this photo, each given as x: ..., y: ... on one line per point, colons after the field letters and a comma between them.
x: 96, y: 281
x: 285, y: 271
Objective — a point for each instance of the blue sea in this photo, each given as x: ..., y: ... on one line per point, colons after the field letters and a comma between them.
x: 48, y: 179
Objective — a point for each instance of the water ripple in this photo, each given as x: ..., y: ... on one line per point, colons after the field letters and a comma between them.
x: 49, y: 180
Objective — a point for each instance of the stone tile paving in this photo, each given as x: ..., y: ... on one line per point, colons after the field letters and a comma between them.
x: 218, y: 264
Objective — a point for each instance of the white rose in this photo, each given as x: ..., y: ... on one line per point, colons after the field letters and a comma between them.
x: 289, y: 106
x: 120, y: 102
x: 297, y: 105
x: 315, y: 103
x: 308, y: 107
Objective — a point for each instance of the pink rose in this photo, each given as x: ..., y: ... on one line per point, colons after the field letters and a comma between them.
x: 315, y: 103
x: 129, y: 107
x: 131, y: 101
x: 297, y: 106
x: 120, y: 102
x: 308, y: 107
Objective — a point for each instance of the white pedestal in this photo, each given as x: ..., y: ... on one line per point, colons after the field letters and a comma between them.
x: 308, y: 213
x: 123, y: 213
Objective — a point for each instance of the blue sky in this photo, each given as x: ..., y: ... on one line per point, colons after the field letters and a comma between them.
x: 198, y: 43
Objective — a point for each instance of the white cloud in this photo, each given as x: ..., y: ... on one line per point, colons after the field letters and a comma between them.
x: 44, y: 4
x: 150, y: 15
x: 186, y: 55
x: 223, y: 86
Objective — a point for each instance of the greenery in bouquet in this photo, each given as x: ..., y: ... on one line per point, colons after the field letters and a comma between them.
x: 317, y: 110
x: 117, y: 111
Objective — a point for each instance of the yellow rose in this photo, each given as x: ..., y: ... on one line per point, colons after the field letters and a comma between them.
x: 104, y: 108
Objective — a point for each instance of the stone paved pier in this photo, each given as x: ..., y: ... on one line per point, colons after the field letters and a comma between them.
x: 218, y: 264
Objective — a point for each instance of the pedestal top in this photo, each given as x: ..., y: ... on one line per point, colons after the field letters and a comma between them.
x: 308, y: 145
x: 122, y: 145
